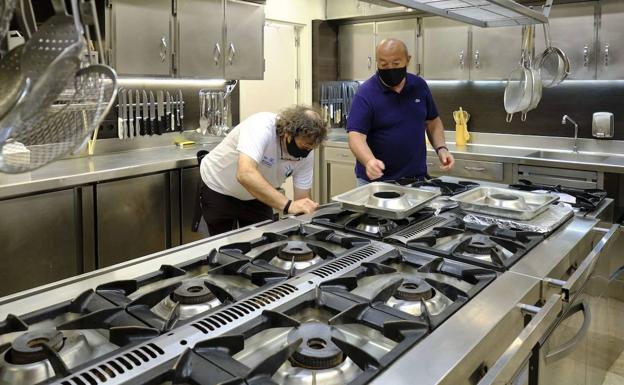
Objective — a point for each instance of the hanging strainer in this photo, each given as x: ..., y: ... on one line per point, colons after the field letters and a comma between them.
x: 6, y: 13
x: 13, y: 84
x: 62, y: 127
x: 553, y: 64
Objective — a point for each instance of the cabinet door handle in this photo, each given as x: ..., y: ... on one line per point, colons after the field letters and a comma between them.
x: 477, y: 62
x: 216, y: 53
x: 586, y: 56
x: 473, y: 168
x: 231, y: 53
x: 606, y: 55
x: 163, y: 49
x: 462, y: 60
x: 344, y: 155
x: 370, y: 62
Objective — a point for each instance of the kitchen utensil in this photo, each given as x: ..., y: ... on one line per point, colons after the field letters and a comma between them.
x: 461, y: 118
x: 553, y: 64
x: 139, y: 120
x: 386, y: 200
x: 519, y: 88
x: 13, y: 83
x: 203, y: 118
x: 181, y: 110
x: 147, y: 128
x: 120, y: 121
x: 130, y: 115
x: 603, y: 125
x: 442, y: 204
x: 153, y: 121
x: 168, y: 125
x: 506, y: 203
x: 161, y: 112
x: 536, y: 94
x: 55, y: 130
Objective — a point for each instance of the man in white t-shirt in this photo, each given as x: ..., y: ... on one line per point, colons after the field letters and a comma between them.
x: 242, y: 174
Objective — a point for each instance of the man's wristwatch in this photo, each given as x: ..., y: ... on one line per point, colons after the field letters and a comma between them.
x: 437, y: 149
x: 287, y: 207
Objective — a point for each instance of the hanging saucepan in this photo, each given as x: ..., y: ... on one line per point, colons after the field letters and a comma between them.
x: 536, y: 94
x: 553, y: 64
x: 519, y: 89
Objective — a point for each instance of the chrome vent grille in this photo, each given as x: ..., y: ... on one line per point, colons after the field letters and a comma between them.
x: 346, y: 261
x: 243, y: 308
x: 117, y: 366
x: 420, y: 228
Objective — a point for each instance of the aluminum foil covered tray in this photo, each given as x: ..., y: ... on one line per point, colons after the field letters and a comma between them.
x: 385, y: 200
x: 505, y: 203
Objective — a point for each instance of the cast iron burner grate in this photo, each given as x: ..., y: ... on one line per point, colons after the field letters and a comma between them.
x: 586, y: 200
x: 446, y: 188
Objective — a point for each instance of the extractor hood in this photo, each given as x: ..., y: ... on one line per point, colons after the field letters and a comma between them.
x: 482, y: 13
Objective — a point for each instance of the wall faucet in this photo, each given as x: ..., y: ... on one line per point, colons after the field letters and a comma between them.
x: 563, y: 121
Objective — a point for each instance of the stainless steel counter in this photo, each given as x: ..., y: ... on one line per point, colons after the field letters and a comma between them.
x: 594, y: 155
x: 77, y: 171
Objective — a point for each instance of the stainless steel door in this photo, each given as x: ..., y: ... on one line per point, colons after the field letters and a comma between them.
x: 445, y: 51
x: 611, y: 44
x: 243, y: 52
x: 356, y: 46
x: 38, y: 240
x: 615, y: 303
x: 132, y: 218
x: 495, y: 52
x: 200, y: 38
x: 572, y: 29
x: 407, y: 31
x: 141, y: 36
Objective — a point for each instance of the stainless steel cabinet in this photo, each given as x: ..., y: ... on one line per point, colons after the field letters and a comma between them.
x: 495, y: 52
x: 407, y: 31
x: 338, y: 9
x: 611, y: 45
x: 445, y: 51
x: 133, y: 217
x: 572, y: 28
x: 220, y: 39
x: 200, y: 38
x: 144, y: 50
x: 190, y: 181
x: 38, y: 240
x: 356, y: 45
x: 338, y: 172
x: 244, y: 43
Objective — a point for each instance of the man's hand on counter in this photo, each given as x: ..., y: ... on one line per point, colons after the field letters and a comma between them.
x: 303, y: 206
x: 446, y: 159
x: 374, y: 169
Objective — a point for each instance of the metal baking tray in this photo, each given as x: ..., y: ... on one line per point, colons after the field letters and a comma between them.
x: 386, y: 200
x: 505, y: 203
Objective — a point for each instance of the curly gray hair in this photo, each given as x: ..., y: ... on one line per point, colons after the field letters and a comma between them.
x: 302, y: 121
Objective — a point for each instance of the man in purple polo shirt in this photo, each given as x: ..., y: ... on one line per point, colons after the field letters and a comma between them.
x: 390, y: 114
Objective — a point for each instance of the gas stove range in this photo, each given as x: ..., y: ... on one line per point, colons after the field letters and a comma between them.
x: 446, y: 188
x: 239, y: 313
x: 585, y: 200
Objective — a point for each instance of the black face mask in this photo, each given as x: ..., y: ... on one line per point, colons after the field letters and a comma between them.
x: 294, y: 150
x: 392, y: 76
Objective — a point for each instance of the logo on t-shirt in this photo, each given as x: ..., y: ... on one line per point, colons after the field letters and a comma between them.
x: 268, y: 161
x: 417, y: 100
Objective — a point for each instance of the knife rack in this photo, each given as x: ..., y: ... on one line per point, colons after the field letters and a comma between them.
x: 336, y: 98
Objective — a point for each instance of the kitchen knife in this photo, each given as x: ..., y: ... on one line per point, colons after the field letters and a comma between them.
x: 161, y: 111
x: 173, y: 113
x: 146, y: 129
x: 130, y: 115
x: 168, y: 112
x: 152, y: 107
x: 120, y: 114
x: 139, y: 117
x: 181, y: 111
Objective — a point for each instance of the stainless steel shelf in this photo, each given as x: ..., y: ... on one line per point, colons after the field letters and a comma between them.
x: 482, y: 13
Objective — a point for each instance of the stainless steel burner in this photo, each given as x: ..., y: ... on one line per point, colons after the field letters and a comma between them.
x: 375, y: 225
x: 191, y: 292
x: 297, y: 251
x: 295, y: 254
x: 480, y: 244
x: 317, y: 351
x: 413, y: 290
x: 28, y: 349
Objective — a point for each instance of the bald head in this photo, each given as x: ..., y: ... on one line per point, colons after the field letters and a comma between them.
x: 392, y: 53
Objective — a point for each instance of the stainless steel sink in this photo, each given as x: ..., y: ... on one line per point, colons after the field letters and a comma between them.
x: 568, y: 156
